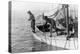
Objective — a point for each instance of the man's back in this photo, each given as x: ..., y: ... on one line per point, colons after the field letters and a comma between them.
x: 51, y: 21
x: 31, y: 16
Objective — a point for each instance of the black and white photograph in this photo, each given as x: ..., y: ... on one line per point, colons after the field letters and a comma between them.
x: 37, y: 27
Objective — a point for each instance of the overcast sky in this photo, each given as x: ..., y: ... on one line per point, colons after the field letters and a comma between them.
x: 37, y: 7
x: 32, y: 6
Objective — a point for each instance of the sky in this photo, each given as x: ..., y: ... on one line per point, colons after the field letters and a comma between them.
x: 32, y: 6
x: 20, y: 8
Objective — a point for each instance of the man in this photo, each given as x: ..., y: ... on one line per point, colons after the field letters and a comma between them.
x: 32, y: 18
x: 52, y: 24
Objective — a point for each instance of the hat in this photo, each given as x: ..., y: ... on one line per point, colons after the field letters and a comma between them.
x: 29, y: 11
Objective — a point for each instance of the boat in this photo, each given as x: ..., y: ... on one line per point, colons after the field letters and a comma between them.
x: 43, y: 34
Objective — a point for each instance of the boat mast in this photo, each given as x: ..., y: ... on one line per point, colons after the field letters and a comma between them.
x: 66, y: 15
x: 67, y: 18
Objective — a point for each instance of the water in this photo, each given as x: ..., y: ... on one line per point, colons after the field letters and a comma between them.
x: 24, y: 41
x: 21, y: 34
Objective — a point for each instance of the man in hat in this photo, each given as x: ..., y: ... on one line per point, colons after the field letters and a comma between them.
x: 32, y: 19
x: 52, y: 24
